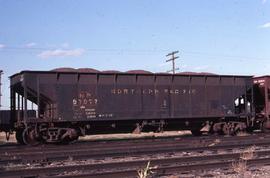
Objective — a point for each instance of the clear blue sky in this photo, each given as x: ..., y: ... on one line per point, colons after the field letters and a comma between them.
x: 221, y: 36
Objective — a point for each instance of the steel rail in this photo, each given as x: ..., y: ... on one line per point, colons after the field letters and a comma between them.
x: 128, y: 142
x: 164, y: 164
x: 81, y: 154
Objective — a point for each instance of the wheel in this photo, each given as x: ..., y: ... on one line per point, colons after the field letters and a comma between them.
x: 228, y: 129
x: 68, y: 140
x: 266, y: 127
x: 249, y: 130
x: 69, y: 136
x: 233, y: 128
x: 196, y: 132
x: 240, y: 128
x: 29, y: 137
x: 217, y: 129
x: 19, y: 136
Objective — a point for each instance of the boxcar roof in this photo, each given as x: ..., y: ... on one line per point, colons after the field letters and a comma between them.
x: 128, y: 73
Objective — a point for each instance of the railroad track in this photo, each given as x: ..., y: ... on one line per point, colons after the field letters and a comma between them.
x: 160, y: 166
x: 41, y: 159
x: 202, y: 141
x: 128, y: 141
x: 83, y: 151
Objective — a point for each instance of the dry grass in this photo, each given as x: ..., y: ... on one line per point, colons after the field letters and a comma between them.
x: 248, y: 153
x: 145, y: 172
x: 216, y: 141
x: 240, y: 166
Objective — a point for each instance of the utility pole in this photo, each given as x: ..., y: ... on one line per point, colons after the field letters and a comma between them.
x: 173, y: 57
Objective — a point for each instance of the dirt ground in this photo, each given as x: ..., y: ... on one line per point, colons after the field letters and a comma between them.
x: 3, y: 139
x: 261, y: 172
x: 108, y: 136
x: 130, y: 135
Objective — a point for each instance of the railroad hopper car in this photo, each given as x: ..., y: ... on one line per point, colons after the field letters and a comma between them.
x: 74, y: 103
x: 5, y: 118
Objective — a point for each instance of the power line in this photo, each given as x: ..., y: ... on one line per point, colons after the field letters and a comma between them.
x: 87, y: 49
x: 223, y: 55
x: 133, y: 52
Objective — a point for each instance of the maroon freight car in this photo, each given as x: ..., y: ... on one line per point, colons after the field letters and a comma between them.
x: 74, y: 103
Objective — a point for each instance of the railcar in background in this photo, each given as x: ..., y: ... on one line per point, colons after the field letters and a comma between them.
x: 70, y: 103
x: 1, y: 72
x: 262, y: 101
x: 1, y: 117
